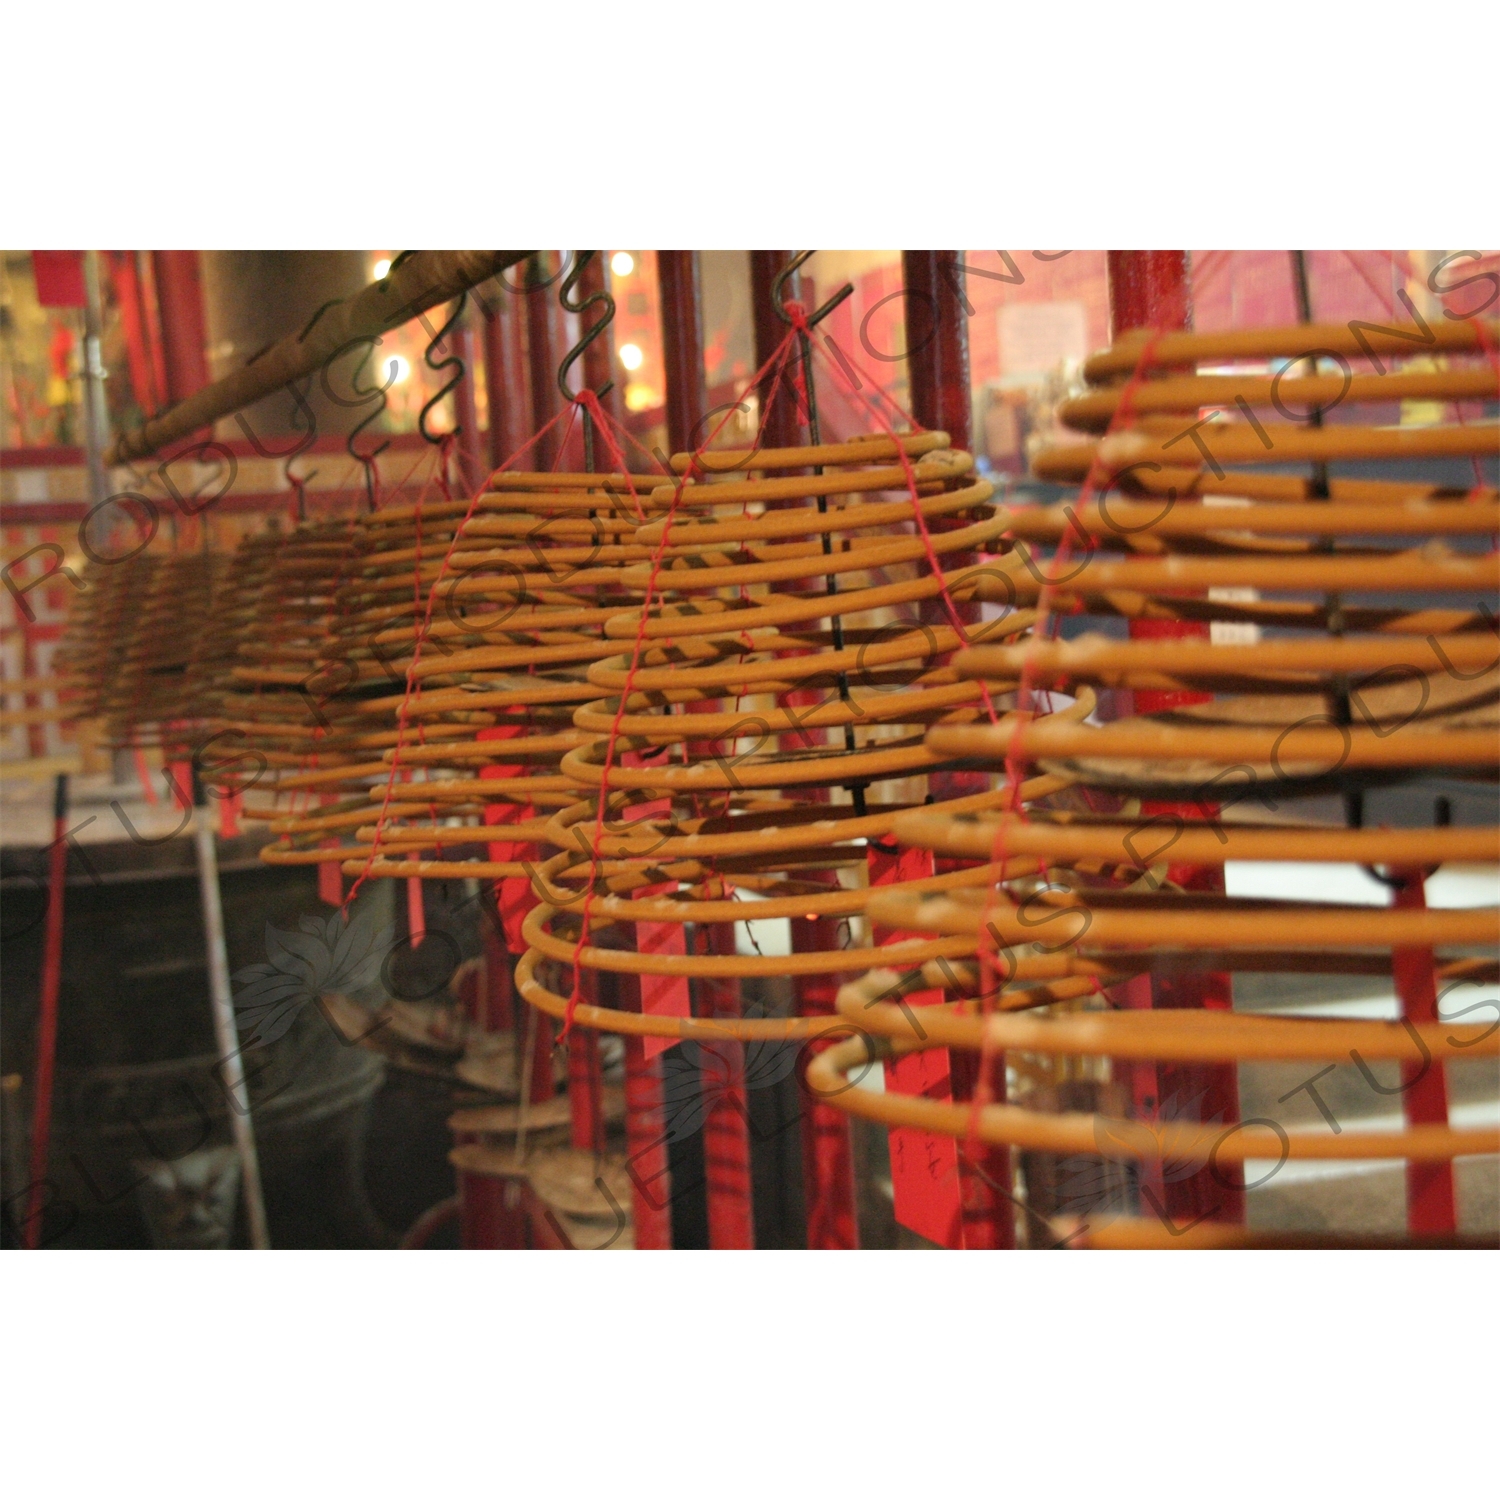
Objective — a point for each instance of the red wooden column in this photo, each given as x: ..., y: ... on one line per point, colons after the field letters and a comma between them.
x: 682, y: 346
x: 937, y: 342
x: 827, y: 1150
x: 826, y: 1134
x: 545, y: 347
x: 585, y: 1078
x: 726, y: 1134
x: 1430, y: 1204
x: 782, y: 428
x: 937, y: 365
x: 1152, y: 289
x: 472, y: 453
x: 647, y: 1159
x: 505, y: 378
x: 491, y: 1210
x: 179, y: 300
x: 937, y: 362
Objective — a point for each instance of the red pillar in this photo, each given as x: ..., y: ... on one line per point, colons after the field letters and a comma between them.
x: 937, y: 363
x: 782, y: 427
x: 646, y: 1152
x: 726, y: 1136
x: 1152, y: 289
x: 544, y: 351
x: 827, y: 1144
x: 1149, y: 289
x: 505, y: 378
x: 937, y: 342
x: 682, y: 347
x: 491, y: 1212
x: 179, y: 298
x: 1430, y: 1205
x: 471, y: 444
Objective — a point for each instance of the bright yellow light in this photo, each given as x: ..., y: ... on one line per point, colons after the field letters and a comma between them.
x: 640, y: 397
x: 382, y: 269
x: 622, y: 263
x: 397, y: 370
x: 631, y: 356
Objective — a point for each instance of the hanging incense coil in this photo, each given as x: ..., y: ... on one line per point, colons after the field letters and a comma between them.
x: 1396, y: 687
x: 694, y: 821
x: 519, y: 588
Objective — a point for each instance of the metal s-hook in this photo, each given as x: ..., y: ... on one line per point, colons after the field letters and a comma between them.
x: 309, y: 423
x: 569, y: 303
x: 780, y: 280
x: 443, y: 364
x: 565, y: 297
x: 368, y: 459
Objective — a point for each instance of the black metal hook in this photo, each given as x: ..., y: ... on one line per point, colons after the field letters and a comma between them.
x: 309, y: 423
x: 443, y: 364
x: 780, y: 280
x: 312, y: 322
x: 565, y: 297
x: 385, y: 281
x: 368, y: 459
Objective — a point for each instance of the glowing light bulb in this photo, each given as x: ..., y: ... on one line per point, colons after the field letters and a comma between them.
x: 631, y: 356
x: 622, y: 263
x: 382, y: 269
x: 397, y: 370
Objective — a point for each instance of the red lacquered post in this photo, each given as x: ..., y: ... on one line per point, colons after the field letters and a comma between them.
x: 1152, y: 289
x: 827, y: 1144
x: 491, y: 1212
x: 544, y: 351
x: 782, y: 427
x: 726, y: 1138
x: 505, y: 378
x: 726, y: 1134
x: 937, y: 342
x: 179, y: 300
x: 471, y: 444
x: 585, y: 1078
x: 682, y: 347
x: 646, y: 1159
x: 1430, y: 1205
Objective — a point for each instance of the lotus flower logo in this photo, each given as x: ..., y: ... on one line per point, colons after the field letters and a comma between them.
x: 697, y: 1080
x: 1096, y: 1183
x: 322, y: 955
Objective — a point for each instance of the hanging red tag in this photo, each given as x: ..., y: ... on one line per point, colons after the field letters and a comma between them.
x: 229, y: 815
x: 143, y: 771
x: 416, y: 911
x: 59, y: 277
x: 924, y: 1167
x: 330, y: 872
